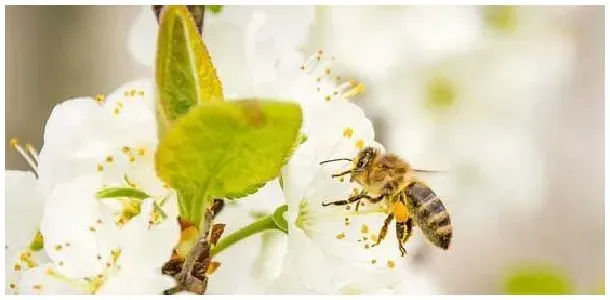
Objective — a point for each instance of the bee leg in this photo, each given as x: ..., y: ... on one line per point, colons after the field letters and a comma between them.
x: 345, y: 202
x: 373, y: 200
x: 400, y: 231
x: 402, y: 237
x: 384, y: 229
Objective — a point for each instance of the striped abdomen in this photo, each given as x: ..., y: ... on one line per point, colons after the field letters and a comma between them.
x: 429, y: 214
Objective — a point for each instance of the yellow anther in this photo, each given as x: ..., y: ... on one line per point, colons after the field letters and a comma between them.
x: 360, y: 144
x: 99, y: 98
x: 100, y: 168
x: 12, y: 285
x: 132, y: 92
x: 37, y: 287
x: 132, y: 158
x: 141, y: 151
x: 141, y: 93
x: 58, y: 247
x: 27, y: 259
x: 14, y: 142
x: 327, y: 71
x: 119, y: 104
x: 327, y: 98
x: 116, y: 111
x: 125, y: 149
x: 374, y: 261
x: 17, y: 267
x: 357, y: 89
x: 126, y: 93
x: 364, y: 229
x: 391, y: 264
x: 91, y: 228
x: 109, y: 159
x: 348, y: 132
x: 340, y: 235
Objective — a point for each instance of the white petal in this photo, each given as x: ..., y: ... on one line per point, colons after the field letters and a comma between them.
x: 248, y: 266
x: 97, y: 131
x: 75, y: 232
x: 15, y: 265
x: 136, y: 283
x: 226, y: 42
x: 147, y: 248
x: 24, y: 202
x: 266, y: 199
x: 38, y: 281
x: 288, y: 282
x: 142, y: 39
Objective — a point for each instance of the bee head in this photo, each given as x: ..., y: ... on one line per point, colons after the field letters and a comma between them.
x: 364, y: 159
x: 362, y: 162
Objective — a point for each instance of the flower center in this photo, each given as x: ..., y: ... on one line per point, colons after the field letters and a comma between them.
x: 441, y: 93
x: 500, y: 17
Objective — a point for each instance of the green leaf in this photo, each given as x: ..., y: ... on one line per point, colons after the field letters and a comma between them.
x: 278, y: 218
x: 185, y: 75
x: 118, y: 192
x: 226, y: 150
x: 537, y: 279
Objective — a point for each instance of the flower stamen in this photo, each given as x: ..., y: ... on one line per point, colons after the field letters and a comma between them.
x: 351, y: 88
x: 31, y: 158
x: 75, y: 283
x: 26, y: 257
x: 316, y: 64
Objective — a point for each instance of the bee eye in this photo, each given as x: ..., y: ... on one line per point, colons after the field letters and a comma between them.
x: 360, y: 164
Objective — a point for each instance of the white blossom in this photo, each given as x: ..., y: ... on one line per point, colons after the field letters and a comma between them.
x: 24, y: 202
x: 112, y: 138
x: 90, y: 254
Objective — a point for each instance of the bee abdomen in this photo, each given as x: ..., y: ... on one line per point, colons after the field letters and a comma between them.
x: 430, y: 214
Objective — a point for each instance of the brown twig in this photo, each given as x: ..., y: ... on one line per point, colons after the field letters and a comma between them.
x: 191, y: 273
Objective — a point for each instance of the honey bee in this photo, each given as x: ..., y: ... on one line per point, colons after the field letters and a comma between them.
x: 386, y: 177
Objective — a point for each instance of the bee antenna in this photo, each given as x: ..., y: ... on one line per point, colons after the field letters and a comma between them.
x: 336, y: 159
x: 428, y: 171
